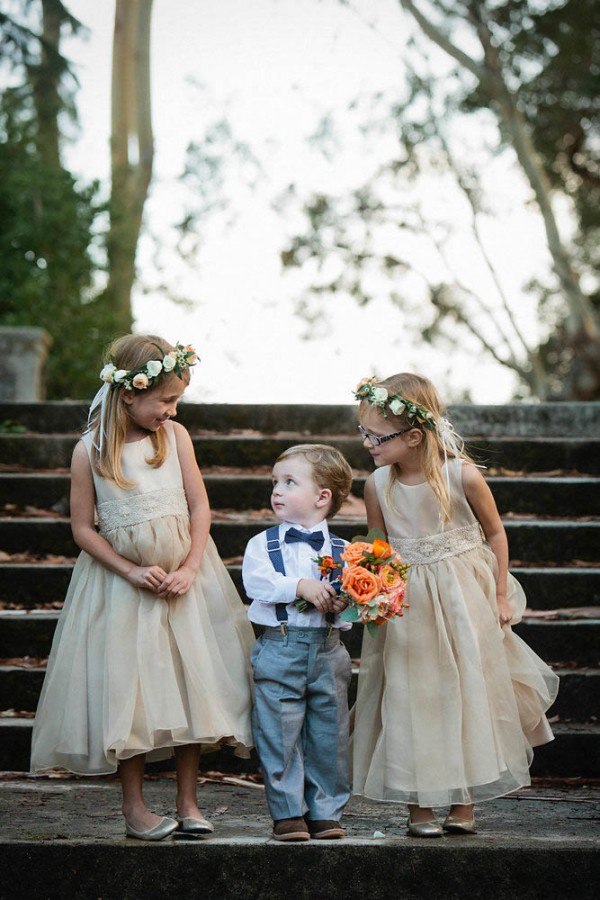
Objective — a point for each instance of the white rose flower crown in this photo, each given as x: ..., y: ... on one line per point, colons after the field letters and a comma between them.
x: 140, y: 379
x: 396, y: 403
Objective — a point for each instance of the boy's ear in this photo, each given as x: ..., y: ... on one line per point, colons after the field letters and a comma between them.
x: 324, y: 498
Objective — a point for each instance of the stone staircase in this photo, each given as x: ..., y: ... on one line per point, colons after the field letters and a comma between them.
x: 543, y: 467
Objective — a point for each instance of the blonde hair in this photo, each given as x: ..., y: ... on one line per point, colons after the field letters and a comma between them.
x: 127, y: 352
x: 420, y: 391
x: 330, y: 470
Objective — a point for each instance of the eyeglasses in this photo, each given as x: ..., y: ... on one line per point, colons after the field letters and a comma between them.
x: 376, y: 440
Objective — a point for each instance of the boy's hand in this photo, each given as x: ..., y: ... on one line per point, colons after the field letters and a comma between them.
x: 320, y: 593
x: 339, y: 604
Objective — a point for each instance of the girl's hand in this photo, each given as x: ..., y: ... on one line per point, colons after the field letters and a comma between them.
x: 176, y: 583
x: 504, y: 610
x: 147, y: 577
x: 320, y: 593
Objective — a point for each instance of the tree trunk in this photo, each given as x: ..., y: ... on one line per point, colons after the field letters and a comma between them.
x: 581, y: 325
x: 45, y: 81
x: 132, y: 151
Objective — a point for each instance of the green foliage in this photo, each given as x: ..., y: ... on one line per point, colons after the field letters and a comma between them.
x: 45, y: 266
x: 554, y: 51
x: 46, y: 270
x: 11, y: 426
x: 530, y: 72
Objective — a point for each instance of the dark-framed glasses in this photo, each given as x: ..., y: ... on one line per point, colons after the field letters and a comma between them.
x: 376, y: 440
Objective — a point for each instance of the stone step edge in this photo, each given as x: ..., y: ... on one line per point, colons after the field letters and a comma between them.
x: 520, y: 416
x: 592, y: 671
x: 567, y: 480
x: 562, y: 571
x: 246, y: 518
x: 51, y: 614
x: 559, y: 728
x: 201, y: 434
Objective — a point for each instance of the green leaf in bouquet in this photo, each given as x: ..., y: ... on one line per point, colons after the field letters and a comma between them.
x: 372, y: 628
x: 374, y: 534
x: 350, y: 614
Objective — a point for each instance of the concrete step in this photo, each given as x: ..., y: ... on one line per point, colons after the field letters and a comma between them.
x: 65, y: 839
x: 578, y: 699
x: 559, y: 542
x: 574, y: 753
x: 51, y: 451
x: 546, y: 588
x: 523, y: 496
x: 575, y: 640
x: 517, y: 419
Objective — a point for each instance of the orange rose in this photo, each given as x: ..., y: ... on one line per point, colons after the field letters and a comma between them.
x: 382, y: 549
x: 397, y: 603
x: 326, y: 565
x: 355, y: 552
x: 360, y: 584
x: 390, y: 578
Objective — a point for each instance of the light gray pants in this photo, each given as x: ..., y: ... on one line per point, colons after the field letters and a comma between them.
x: 300, y: 721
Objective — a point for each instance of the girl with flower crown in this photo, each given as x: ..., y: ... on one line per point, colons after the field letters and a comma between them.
x: 151, y: 652
x: 450, y: 701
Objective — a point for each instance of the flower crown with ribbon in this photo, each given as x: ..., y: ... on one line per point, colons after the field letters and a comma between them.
x: 142, y: 378
x: 396, y: 403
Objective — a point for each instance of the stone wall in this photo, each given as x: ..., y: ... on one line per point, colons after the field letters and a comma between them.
x: 23, y: 355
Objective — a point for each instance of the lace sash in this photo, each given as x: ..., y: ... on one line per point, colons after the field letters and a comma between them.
x: 434, y: 547
x: 140, y: 508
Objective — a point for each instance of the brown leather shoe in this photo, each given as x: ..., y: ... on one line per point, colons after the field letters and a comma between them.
x: 325, y: 829
x: 290, y: 830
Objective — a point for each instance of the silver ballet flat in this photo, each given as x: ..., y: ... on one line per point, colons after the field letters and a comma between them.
x: 193, y: 827
x: 456, y: 825
x: 163, y: 829
x: 432, y: 828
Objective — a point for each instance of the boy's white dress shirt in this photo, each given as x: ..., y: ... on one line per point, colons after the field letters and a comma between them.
x: 267, y: 587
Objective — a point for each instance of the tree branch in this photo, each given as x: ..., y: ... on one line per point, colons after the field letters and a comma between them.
x: 443, y: 41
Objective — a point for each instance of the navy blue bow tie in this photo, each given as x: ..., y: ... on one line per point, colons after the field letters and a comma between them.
x: 314, y: 538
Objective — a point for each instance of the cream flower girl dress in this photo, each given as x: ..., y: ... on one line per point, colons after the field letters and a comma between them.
x: 129, y: 672
x: 449, y: 704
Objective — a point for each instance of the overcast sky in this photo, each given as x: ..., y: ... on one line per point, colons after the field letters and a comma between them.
x: 273, y: 68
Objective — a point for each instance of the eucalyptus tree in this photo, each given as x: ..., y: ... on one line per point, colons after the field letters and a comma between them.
x: 131, y: 150
x: 524, y: 68
x: 524, y: 77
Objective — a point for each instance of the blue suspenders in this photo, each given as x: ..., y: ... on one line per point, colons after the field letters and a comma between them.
x: 275, y: 555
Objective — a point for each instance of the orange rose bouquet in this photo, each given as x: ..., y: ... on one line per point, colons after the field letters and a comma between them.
x: 373, y: 581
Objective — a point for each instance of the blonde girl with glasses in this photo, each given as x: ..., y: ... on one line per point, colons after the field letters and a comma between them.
x: 450, y: 701
x: 151, y: 653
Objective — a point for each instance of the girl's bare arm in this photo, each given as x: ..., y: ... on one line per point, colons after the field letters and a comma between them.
x: 374, y: 515
x: 179, y: 582
x: 481, y: 501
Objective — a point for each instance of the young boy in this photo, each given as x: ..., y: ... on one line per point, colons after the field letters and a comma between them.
x: 301, y: 669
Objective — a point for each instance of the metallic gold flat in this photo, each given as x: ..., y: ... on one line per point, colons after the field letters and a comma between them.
x: 456, y: 825
x: 432, y: 828
x: 193, y: 827
x: 165, y: 827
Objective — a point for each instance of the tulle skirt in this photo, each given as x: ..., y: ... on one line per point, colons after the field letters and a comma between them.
x: 130, y: 673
